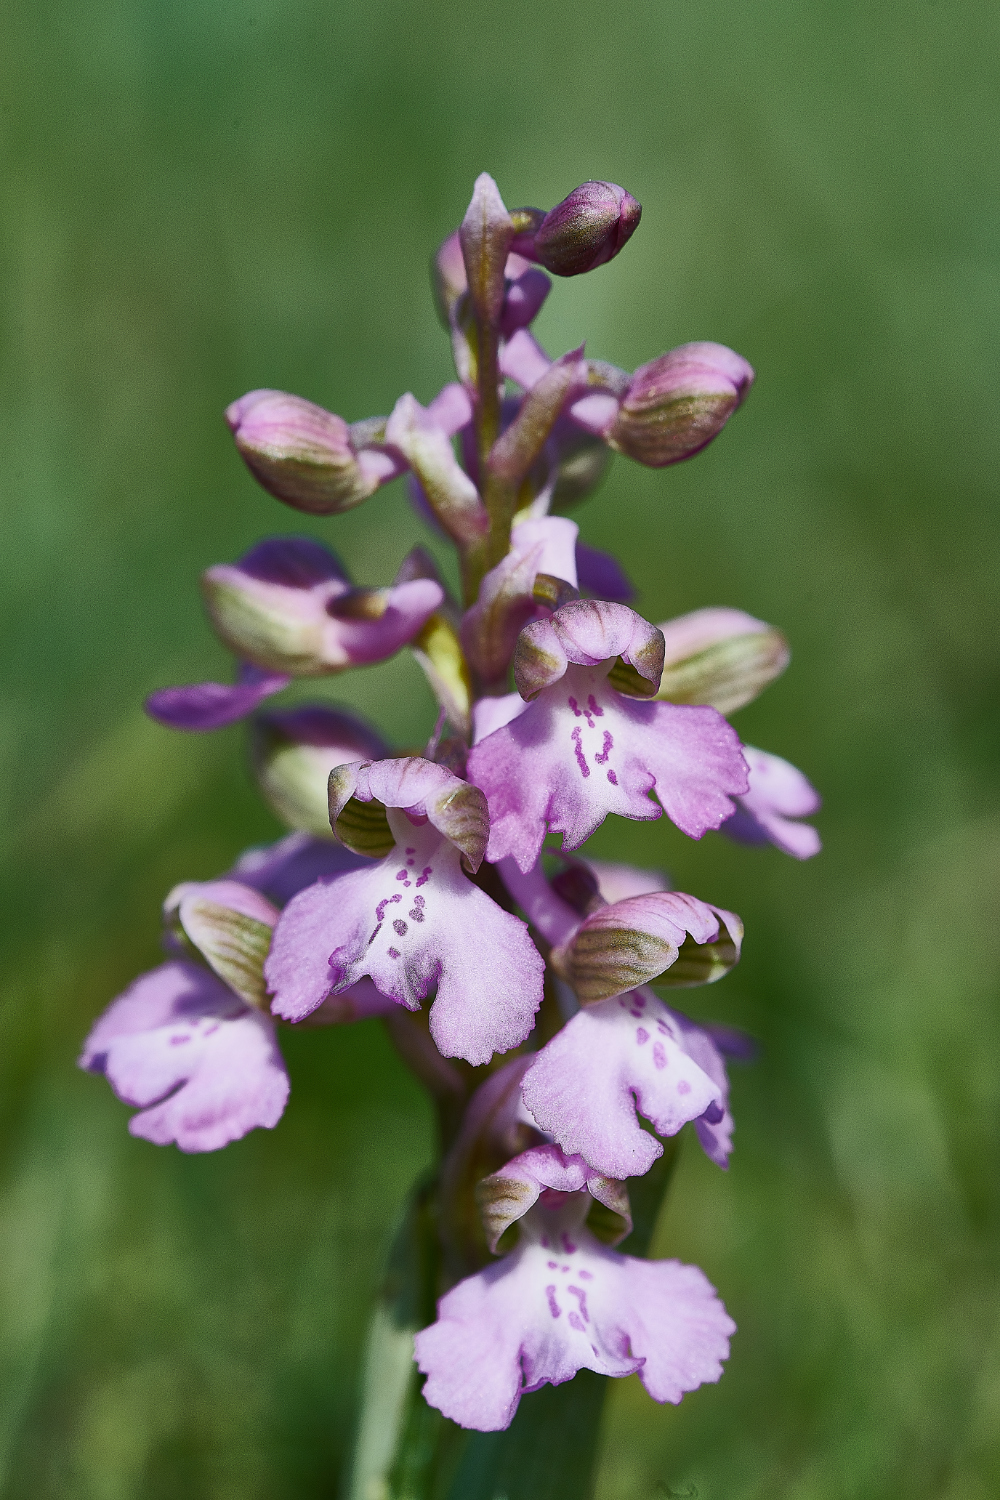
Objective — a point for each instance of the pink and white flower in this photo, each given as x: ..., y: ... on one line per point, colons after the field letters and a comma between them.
x: 561, y: 1302
x: 621, y: 1058
x: 582, y: 749
x: 414, y: 921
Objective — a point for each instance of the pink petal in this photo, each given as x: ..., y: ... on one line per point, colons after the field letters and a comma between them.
x: 778, y: 792
x: 602, y: 575
x: 451, y: 408
x: 358, y: 642
x: 688, y: 634
x: 523, y: 359
x: 178, y: 988
x: 240, y: 1083
x: 610, y: 1061
x: 492, y: 713
x: 675, y: 1320
x: 291, y: 562
x: 776, y: 786
x: 202, y: 706
x: 523, y: 300
x: 554, y: 918
x: 617, y: 882
x: 582, y: 750
x: 595, y: 413
x: 557, y: 536
x: 235, y: 894
x: 279, y: 871
x: 179, y: 1041
x: 413, y: 922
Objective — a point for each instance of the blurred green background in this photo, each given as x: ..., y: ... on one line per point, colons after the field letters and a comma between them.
x: 203, y: 196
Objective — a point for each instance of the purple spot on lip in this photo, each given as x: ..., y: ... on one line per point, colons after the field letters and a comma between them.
x: 552, y: 1265
x: 401, y: 874
x: 411, y: 851
x: 585, y: 1275
x: 554, y: 1308
x: 605, y: 751
x: 399, y: 927
x: 416, y: 915
x: 575, y: 707
x: 375, y: 934
x: 594, y: 707
x: 581, y: 1297
x: 581, y: 759
x: 641, y: 1035
x: 568, y: 1245
x: 659, y: 1055
x: 574, y: 1322
x: 684, y: 1087
x: 177, y: 1041
x: 393, y: 952
x: 612, y: 778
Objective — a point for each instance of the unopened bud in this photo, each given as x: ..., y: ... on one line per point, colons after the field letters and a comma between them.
x: 584, y: 231
x: 293, y: 754
x: 677, y: 404
x: 299, y: 452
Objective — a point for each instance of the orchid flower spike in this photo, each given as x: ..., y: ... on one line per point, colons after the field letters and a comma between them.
x: 413, y: 888
x: 579, y: 749
x: 414, y: 921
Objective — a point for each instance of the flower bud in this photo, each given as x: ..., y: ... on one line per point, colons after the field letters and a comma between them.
x: 664, y: 935
x: 584, y: 231
x: 293, y: 754
x: 299, y: 452
x: 677, y: 404
x: 288, y: 607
